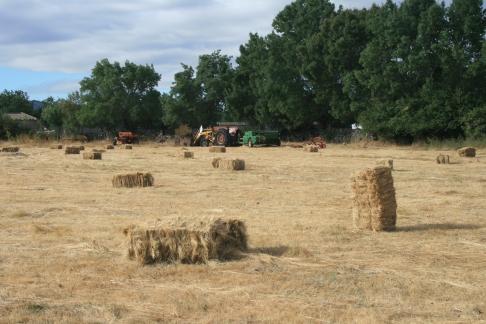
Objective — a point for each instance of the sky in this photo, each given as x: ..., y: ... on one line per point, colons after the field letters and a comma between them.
x: 48, y: 46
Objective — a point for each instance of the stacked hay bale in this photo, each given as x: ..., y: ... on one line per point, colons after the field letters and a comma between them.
x: 72, y: 150
x: 311, y: 148
x: 10, y: 149
x: 467, y: 152
x: 110, y: 147
x: 92, y: 156
x: 57, y: 147
x: 217, y: 149
x: 385, y: 162
x: 133, y: 180
x: 443, y: 159
x: 223, y: 240
x: 187, y: 155
x: 228, y: 164
x: 374, y: 202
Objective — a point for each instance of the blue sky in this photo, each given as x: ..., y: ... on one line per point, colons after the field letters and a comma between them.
x: 48, y: 46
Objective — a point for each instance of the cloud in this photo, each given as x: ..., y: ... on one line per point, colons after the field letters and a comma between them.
x: 69, y: 36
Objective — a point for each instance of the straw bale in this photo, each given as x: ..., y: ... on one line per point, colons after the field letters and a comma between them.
x: 11, y: 149
x: 187, y: 155
x: 92, y: 156
x: 81, y: 148
x: 110, y: 147
x: 443, y: 159
x: 228, y: 164
x: 311, y: 148
x: 98, y: 151
x: 128, y: 147
x: 57, y: 147
x: 167, y: 246
x: 72, y: 150
x: 133, y: 180
x: 217, y: 149
x: 467, y: 152
x: 374, y: 202
x: 385, y: 162
x: 220, y: 239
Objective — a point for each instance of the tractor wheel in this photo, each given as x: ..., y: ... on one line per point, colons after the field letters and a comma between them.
x: 221, y: 138
x: 250, y: 143
x: 204, y: 142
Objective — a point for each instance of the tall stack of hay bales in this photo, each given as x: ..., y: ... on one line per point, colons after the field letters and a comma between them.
x: 11, y: 149
x: 228, y: 164
x: 92, y: 156
x: 217, y: 149
x: 467, y: 152
x: 443, y: 159
x: 133, y: 180
x: 223, y: 240
x: 374, y: 202
x: 72, y: 150
x: 385, y: 162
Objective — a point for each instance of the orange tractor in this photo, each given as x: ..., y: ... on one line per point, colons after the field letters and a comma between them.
x: 125, y: 138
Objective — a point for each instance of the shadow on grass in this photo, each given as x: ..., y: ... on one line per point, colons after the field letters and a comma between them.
x: 276, y: 251
x: 440, y: 227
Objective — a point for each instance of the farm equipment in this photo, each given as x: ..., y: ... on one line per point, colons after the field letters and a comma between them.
x: 252, y: 138
x: 125, y: 138
x: 319, y: 142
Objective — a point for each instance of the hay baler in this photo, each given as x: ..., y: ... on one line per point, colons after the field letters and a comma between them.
x: 268, y: 138
x: 125, y: 138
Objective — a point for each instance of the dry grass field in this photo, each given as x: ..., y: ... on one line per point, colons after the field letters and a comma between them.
x: 63, y: 254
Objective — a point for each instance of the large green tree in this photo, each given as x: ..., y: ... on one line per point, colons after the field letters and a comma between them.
x: 119, y: 97
x: 15, y: 101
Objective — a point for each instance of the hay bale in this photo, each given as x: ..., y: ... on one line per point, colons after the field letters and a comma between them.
x: 217, y: 149
x: 222, y: 240
x: 98, y: 151
x: 128, y: 147
x: 167, y: 246
x: 227, y: 239
x: 11, y: 149
x: 467, y: 152
x: 81, y: 148
x: 110, y: 147
x: 386, y: 162
x: 188, y: 155
x: 72, y: 150
x: 228, y: 164
x: 133, y: 180
x: 374, y: 202
x: 92, y: 156
x: 443, y: 159
x: 311, y: 148
x: 57, y: 147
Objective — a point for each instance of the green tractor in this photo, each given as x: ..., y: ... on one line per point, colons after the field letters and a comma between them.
x: 267, y: 138
x: 231, y: 134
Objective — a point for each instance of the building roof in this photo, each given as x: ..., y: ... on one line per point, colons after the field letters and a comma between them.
x: 20, y: 116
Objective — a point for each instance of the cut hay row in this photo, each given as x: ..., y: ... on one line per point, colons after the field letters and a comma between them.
x: 228, y: 164
x: 72, y: 150
x: 443, y: 159
x: 92, y: 156
x: 217, y: 149
x: 187, y: 155
x: 57, y: 147
x: 385, y: 162
x: 374, y: 202
x: 311, y: 148
x: 224, y: 240
x: 467, y: 152
x: 133, y: 180
x: 11, y: 149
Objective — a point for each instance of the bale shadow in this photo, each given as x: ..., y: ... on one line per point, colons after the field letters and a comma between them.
x: 440, y: 227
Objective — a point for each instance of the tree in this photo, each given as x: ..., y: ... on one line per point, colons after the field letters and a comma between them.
x: 63, y: 114
x: 121, y: 97
x: 15, y: 102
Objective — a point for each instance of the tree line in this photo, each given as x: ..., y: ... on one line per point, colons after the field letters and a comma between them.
x: 407, y: 71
